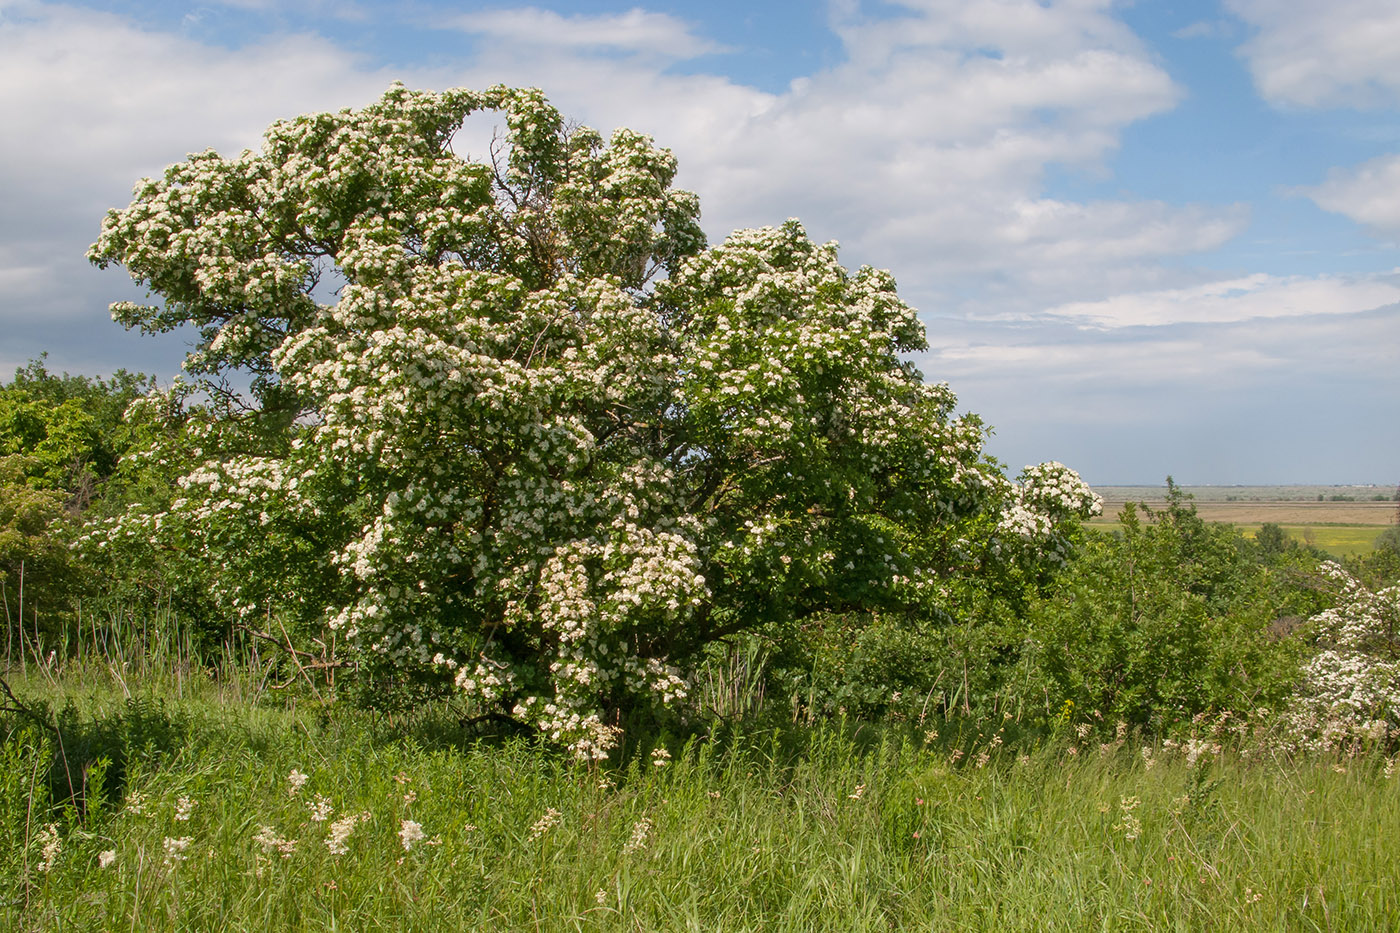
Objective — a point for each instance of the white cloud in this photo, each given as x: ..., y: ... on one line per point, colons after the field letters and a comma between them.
x: 91, y: 102
x: 1034, y: 381
x: 1121, y: 366
x: 87, y: 97
x: 925, y: 150
x: 1368, y: 193
x: 1254, y: 297
x: 637, y: 30
x: 1311, y: 54
x: 1015, y: 28
x: 1206, y: 29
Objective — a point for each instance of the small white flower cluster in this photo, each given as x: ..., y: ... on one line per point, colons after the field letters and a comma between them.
x: 410, y: 833
x: 1129, y: 824
x: 1046, y: 496
x: 545, y: 823
x: 338, y: 834
x: 176, y: 849
x: 320, y: 808
x: 267, y: 838
x: 641, y: 836
x: 50, y: 846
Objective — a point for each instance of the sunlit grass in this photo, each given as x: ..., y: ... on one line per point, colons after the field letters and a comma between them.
x: 1337, y: 540
x: 774, y: 827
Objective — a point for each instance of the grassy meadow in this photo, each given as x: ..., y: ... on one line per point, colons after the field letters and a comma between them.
x: 181, y: 797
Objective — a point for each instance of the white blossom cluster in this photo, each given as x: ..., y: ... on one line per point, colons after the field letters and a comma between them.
x: 544, y: 442
x: 1045, y: 496
x: 1351, y: 687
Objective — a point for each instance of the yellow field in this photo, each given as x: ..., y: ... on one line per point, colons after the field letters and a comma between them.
x: 1337, y: 540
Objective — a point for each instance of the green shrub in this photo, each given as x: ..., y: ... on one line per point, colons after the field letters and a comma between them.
x: 961, y: 656
x: 35, y: 566
x: 1164, y: 621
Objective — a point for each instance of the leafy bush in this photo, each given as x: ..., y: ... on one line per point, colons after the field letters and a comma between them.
x: 1164, y: 621
x: 34, y: 561
x: 959, y: 657
x: 62, y: 439
x: 70, y: 428
x: 1388, y: 541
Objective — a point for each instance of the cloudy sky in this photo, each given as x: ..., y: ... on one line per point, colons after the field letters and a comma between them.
x: 1146, y: 238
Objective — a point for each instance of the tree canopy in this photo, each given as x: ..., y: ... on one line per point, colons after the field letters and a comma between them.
x: 511, y: 423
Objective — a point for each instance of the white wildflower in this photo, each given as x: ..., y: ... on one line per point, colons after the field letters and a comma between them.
x: 545, y: 823
x: 175, y: 849
x: 338, y: 835
x: 271, y: 842
x: 641, y: 833
x: 320, y: 808
x: 409, y: 833
x: 50, y: 846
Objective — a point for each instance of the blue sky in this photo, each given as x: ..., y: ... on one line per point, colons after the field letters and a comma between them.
x: 1146, y: 238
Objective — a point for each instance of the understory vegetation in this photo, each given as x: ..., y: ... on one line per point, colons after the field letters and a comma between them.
x: 567, y: 572
x: 1143, y: 739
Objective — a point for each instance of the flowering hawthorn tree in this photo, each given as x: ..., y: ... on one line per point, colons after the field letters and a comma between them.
x: 543, y: 440
x: 1350, y: 688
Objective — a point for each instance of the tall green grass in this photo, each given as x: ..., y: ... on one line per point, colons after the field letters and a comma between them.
x: 763, y: 824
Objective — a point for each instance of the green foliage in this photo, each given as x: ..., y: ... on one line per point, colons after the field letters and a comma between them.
x: 1387, y: 552
x: 63, y: 440
x: 24, y: 802
x: 70, y: 428
x: 1272, y: 541
x: 35, y: 564
x: 959, y: 656
x: 1168, y: 619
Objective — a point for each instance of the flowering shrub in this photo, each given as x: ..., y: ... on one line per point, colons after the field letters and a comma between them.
x: 543, y: 443
x: 1350, y: 688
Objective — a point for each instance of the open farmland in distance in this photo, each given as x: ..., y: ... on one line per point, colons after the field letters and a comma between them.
x: 1341, y: 520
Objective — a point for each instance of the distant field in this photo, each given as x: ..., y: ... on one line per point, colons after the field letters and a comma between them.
x: 1338, y: 527
x: 1280, y: 513
x: 1202, y: 494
